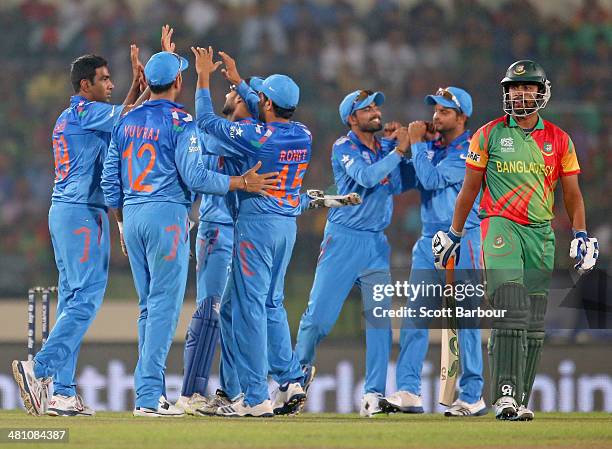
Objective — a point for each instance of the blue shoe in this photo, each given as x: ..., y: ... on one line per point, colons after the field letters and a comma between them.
x: 309, y: 374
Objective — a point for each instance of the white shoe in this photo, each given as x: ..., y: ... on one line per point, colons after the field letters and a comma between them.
x: 369, y: 405
x: 183, y: 404
x: 462, y: 408
x: 506, y: 408
x: 34, y: 391
x: 401, y: 401
x: 289, y: 399
x: 240, y: 409
x: 68, y: 406
x: 190, y: 404
x: 164, y: 409
x: 524, y: 414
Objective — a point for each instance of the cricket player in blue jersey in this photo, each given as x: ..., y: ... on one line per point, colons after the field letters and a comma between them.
x: 354, y: 248
x: 154, y: 163
x: 214, y: 249
x: 264, y: 237
x: 78, y: 224
x: 439, y: 165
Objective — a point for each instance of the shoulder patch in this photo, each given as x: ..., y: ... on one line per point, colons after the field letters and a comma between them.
x: 342, y: 140
x: 179, y: 119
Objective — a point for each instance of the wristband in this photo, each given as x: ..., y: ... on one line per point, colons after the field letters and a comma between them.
x: 456, y: 233
x: 580, y: 234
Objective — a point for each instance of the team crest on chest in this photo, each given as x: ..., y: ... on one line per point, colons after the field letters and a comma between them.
x: 547, y: 148
x: 367, y: 157
x: 498, y: 242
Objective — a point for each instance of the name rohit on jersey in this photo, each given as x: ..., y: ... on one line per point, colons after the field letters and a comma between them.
x: 524, y: 167
x: 293, y: 155
x: 141, y: 132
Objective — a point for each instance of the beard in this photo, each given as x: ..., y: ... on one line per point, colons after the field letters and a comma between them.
x: 228, y: 109
x: 371, y: 127
x: 261, y: 115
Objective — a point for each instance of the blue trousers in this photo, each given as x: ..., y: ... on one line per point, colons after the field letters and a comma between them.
x: 414, y: 339
x: 81, y: 245
x: 214, y: 249
x: 262, y: 341
x: 157, y: 239
x: 349, y: 257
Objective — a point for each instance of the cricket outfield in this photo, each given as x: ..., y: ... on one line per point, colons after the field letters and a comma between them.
x: 121, y: 430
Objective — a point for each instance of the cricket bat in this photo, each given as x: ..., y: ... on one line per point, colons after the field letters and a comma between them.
x: 449, y: 358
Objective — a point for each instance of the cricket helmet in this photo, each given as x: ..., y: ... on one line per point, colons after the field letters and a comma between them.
x: 525, y: 72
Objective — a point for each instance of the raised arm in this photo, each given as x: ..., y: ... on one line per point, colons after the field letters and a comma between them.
x: 238, y: 136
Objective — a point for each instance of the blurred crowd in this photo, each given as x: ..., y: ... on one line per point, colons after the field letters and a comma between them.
x: 330, y: 47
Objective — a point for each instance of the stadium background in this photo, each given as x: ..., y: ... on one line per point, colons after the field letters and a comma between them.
x: 404, y: 48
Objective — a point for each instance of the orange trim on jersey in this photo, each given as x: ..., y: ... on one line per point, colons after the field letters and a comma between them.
x: 575, y: 172
x: 473, y: 167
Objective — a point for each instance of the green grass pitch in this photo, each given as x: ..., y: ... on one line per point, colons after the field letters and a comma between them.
x: 121, y: 430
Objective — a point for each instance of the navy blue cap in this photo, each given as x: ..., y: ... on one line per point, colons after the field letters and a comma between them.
x: 452, y: 97
x: 164, y: 67
x: 281, y: 89
x: 352, y: 103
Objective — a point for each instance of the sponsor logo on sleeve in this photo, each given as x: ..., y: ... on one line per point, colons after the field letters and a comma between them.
x: 347, y: 161
x: 473, y: 156
x: 235, y: 131
x: 193, y: 144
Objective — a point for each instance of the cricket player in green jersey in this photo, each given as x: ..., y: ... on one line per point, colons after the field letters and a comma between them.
x: 517, y: 160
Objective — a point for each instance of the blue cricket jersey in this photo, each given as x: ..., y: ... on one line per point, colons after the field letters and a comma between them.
x: 282, y: 147
x: 376, y: 175
x: 155, y: 156
x: 439, y: 175
x: 80, y: 139
x: 216, y: 208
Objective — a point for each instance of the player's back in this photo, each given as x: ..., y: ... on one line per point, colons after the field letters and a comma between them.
x: 285, y: 148
x: 80, y: 139
x: 146, y: 140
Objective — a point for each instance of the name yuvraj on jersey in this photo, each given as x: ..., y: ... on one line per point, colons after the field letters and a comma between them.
x: 141, y: 132
x: 523, y: 167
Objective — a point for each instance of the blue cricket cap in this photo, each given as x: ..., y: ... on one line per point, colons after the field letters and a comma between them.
x: 281, y: 89
x: 452, y: 97
x: 255, y: 83
x: 359, y: 99
x: 164, y: 67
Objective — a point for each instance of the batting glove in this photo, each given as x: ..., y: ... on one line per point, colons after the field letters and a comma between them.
x: 585, y: 251
x: 444, y: 246
x: 319, y: 199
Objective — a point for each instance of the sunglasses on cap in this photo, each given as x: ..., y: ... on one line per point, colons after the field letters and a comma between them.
x: 448, y: 95
x: 362, y: 95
